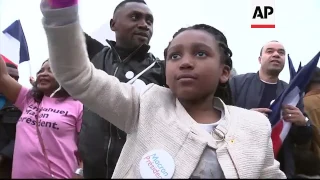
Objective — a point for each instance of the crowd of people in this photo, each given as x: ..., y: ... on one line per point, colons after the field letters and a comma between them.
x: 118, y: 111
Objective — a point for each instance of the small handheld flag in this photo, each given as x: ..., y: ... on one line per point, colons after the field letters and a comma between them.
x: 13, y: 45
x: 290, y: 96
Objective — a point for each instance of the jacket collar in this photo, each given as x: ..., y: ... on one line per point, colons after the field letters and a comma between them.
x: 217, y: 140
x: 280, y: 86
x: 221, y: 130
x: 258, y: 76
x: 141, y: 51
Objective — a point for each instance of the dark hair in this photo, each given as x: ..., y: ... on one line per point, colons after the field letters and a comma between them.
x: 37, y: 95
x: 125, y: 2
x: 315, y: 79
x: 223, y: 90
x: 263, y: 46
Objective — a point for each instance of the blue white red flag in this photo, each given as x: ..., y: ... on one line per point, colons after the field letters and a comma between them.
x: 290, y: 96
x: 14, y: 47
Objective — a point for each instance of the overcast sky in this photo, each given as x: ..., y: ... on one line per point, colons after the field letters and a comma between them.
x: 297, y: 27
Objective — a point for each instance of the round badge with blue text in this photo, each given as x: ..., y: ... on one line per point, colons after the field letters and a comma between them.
x: 157, y: 164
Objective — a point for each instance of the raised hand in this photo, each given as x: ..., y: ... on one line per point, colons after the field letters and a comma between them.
x: 56, y: 4
x: 9, y: 87
x: 32, y: 80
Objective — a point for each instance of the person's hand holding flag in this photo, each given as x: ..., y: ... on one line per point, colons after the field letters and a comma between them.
x: 294, y: 115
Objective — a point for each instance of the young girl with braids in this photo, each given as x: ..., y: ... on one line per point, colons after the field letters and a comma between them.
x: 184, y: 131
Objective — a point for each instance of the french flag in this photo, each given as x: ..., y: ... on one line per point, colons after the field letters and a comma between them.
x: 290, y: 96
x: 13, y: 48
x: 13, y: 45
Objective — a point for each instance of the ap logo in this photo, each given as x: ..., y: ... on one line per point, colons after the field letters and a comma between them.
x: 263, y: 14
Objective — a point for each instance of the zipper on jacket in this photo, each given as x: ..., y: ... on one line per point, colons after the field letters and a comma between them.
x: 123, y: 61
x: 128, y: 57
x: 118, y: 134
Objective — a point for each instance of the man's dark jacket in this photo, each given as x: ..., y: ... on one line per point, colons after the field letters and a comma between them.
x: 100, y: 142
x: 9, y: 115
x: 247, y: 91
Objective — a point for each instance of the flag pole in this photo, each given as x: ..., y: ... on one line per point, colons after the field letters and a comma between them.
x: 30, y: 71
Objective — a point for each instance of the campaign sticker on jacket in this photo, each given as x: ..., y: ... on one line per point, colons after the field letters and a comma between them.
x: 129, y: 75
x: 157, y: 164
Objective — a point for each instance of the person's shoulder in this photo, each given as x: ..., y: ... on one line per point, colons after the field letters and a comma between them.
x: 153, y: 90
x: 76, y: 104
x: 159, y: 63
x: 244, y: 76
x: 154, y: 58
x: 105, y: 49
x: 310, y: 102
x: 25, y: 97
x: 283, y: 82
x: 312, y: 97
x: 25, y: 90
x: 150, y: 54
x: 250, y: 119
x: 100, y: 56
x: 158, y: 69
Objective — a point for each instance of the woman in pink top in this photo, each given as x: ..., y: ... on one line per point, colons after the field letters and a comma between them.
x: 47, y: 131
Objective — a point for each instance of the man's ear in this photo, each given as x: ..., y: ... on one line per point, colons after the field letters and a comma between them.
x: 112, y: 24
x: 259, y: 59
